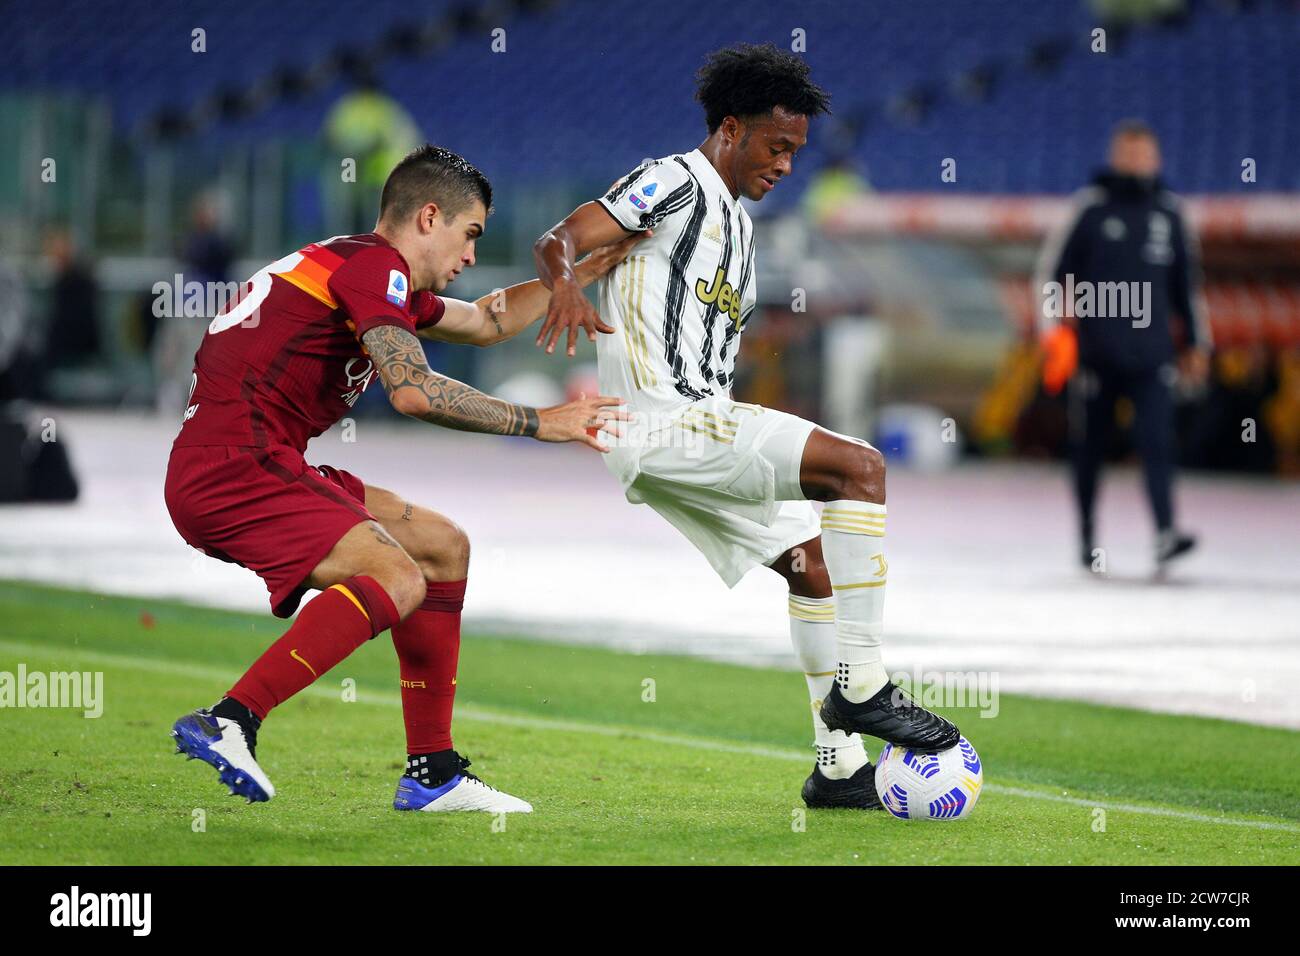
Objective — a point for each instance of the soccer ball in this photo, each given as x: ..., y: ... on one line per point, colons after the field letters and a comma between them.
x: 915, y: 785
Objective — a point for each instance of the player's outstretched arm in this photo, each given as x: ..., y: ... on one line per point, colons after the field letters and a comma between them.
x: 588, y: 227
x: 418, y: 391
x: 505, y: 313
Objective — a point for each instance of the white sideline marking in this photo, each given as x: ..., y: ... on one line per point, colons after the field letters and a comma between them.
x: 470, y: 712
x: 776, y: 753
x: 1150, y: 811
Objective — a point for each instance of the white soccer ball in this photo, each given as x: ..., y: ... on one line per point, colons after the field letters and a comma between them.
x: 915, y: 785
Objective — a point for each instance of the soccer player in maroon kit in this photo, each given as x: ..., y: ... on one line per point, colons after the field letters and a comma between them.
x: 282, y: 364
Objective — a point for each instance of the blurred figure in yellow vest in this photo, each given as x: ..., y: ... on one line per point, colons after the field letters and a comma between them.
x: 374, y: 131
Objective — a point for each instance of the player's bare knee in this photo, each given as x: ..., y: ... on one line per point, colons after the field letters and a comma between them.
x: 804, y: 570
x: 813, y: 580
x: 411, y: 590
x: 862, y: 477
x: 444, y: 551
x: 402, y: 578
x: 456, y: 549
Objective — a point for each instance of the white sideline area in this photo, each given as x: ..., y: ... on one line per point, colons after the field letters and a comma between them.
x: 981, y: 559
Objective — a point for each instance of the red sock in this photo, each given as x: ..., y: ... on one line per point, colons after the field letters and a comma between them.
x: 330, y: 626
x: 428, y: 648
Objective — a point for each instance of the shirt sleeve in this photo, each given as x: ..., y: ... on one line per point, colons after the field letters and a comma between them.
x: 374, y: 288
x: 649, y: 194
x: 1062, y: 253
x: 428, y: 309
x: 1185, y: 283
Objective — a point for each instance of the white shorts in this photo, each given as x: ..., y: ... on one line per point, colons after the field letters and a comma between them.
x: 726, y: 475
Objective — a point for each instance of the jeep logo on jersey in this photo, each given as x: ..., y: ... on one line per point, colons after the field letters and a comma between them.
x: 722, y: 292
x: 397, y: 284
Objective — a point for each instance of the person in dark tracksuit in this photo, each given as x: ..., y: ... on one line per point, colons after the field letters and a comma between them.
x: 1124, y: 263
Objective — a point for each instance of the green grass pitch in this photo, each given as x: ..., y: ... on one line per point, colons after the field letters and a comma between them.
x: 709, y: 772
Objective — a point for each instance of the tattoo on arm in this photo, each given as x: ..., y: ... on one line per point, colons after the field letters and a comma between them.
x: 401, y: 363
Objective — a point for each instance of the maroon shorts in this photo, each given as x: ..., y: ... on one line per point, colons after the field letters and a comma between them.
x: 265, y: 509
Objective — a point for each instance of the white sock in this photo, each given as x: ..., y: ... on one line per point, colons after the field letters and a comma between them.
x: 812, y: 631
x: 853, y: 534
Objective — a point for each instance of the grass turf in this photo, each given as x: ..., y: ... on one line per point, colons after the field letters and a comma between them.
x: 709, y: 772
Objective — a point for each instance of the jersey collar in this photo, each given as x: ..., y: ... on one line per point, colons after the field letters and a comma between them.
x: 397, y: 252
x: 704, y: 169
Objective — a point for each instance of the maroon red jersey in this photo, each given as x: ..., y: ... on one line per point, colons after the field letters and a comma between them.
x: 284, y: 362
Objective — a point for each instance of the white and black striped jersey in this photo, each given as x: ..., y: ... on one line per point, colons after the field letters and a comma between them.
x: 680, y: 301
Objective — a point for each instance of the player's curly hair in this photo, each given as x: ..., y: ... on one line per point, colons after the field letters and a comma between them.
x: 748, y: 80
x: 433, y: 174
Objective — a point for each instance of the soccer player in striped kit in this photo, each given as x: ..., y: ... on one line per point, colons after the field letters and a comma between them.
x: 738, y: 480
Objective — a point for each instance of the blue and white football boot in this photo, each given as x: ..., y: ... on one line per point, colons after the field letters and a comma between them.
x: 229, y: 747
x: 452, y: 787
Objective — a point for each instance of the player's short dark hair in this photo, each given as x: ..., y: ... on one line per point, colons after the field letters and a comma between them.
x: 748, y: 80
x: 433, y: 174
x: 1133, y: 127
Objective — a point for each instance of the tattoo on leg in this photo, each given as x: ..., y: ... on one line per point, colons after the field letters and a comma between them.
x: 406, y: 512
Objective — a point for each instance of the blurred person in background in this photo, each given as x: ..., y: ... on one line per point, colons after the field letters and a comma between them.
x: 16, y: 366
x: 1125, y: 228
x: 209, y: 252
x: 207, y: 255
x: 71, y: 338
x: 837, y: 183
x: 1244, y: 383
x: 374, y: 130
x: 35, y: 468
